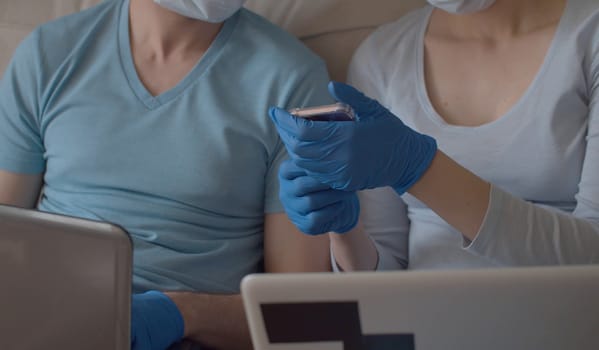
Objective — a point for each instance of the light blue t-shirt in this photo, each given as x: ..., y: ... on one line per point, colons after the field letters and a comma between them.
x: 190, y: 173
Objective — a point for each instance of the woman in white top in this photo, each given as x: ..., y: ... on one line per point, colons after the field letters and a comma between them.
x: 507, y: 94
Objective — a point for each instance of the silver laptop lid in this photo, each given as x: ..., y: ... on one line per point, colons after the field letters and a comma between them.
x: 526, y: 309
x: 65, y: 283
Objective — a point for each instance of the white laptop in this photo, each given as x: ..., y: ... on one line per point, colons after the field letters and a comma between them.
x: 65, y: 283
x: 554, y: 308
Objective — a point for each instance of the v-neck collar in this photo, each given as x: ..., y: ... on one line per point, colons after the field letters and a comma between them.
x: 431, y: 112
x: 139, y: 89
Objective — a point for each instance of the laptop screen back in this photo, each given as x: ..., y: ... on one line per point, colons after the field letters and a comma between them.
x: 528, y: 308
x: 65, y: 283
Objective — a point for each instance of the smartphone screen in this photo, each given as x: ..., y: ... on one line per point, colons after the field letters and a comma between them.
x: 334, y: 112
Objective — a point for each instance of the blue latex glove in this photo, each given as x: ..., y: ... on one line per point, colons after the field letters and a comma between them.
x: 376, y: 150
x: 313, y: 207
x: 156, y: 322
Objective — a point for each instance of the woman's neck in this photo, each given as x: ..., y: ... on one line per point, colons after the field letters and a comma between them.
x: 504, y: 19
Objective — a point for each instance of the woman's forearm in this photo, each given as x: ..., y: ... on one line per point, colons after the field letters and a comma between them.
x: 354, y: 250
x: 457, y: 195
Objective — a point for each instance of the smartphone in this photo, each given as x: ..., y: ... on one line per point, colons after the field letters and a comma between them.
x: 334, y: 112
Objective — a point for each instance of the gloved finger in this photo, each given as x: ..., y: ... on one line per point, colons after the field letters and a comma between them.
x: 290, y: 171
x: 363, y: 106
x: 351, y: 214
x: 327, y: 161
x: 290, y: 127
x: 339, y: 217
x: 307, y: 185
x: 295, y: 183
x: 290, y: 174
x: 328, y: 172
x: 330, y: 147
x: 316, y: 201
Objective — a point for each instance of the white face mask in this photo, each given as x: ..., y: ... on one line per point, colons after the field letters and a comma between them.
x: 462, y: 6
x: 213, y: 11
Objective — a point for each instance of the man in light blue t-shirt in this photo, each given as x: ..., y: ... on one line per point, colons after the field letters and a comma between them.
x: 153, y: 116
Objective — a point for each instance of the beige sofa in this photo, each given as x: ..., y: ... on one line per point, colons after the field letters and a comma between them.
x: 332, y: 28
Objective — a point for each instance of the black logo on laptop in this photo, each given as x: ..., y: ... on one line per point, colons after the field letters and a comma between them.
x: 326, y: 321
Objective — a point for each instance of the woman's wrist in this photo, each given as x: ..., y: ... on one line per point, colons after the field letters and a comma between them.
x: 354, y: 250
x: 457, y: 195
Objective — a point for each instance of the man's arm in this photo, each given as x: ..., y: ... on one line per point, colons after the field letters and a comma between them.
x: 286, y: 249
x: 20, y: 190
x: 214, y: 321
x: 218, y: 321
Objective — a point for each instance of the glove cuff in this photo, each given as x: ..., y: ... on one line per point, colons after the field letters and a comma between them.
x: 351, y: 211
x: 428, y: 148
x: 175, y: 324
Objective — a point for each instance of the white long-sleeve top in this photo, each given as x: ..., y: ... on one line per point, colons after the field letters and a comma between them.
x: 542, y: 156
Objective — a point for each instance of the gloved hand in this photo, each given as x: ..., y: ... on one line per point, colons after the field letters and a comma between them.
x: 156, y: 322
x: 375, y: 151
x: 313, y: 207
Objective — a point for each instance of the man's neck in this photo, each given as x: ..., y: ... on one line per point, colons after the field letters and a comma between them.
x: 161, y: 33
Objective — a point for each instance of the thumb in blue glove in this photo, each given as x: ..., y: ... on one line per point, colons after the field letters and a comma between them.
x: 375, y: 151
x: 156, y: 322
x: 313, y: 207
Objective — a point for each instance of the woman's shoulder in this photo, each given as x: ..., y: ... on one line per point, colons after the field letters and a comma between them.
x: 402, y: 32
x: 391, y: 48
x: 397, y: 40
x: 581, y: 27
x: 394, y: 39
x: 582, y: 17
x: 588, y: 8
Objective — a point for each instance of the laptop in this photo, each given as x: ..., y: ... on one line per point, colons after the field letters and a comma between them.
x: 545, y: 308
x: 65, y: 283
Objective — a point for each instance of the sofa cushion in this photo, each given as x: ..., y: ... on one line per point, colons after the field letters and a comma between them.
x: 332, y: 28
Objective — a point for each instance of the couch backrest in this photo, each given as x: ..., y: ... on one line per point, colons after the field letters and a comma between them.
x: 332, y: 28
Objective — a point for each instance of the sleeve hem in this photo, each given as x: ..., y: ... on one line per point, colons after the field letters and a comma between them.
x: 485, y: 234
x: 384, y: 262
x: 336, y: 267
x: 22, y: 167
